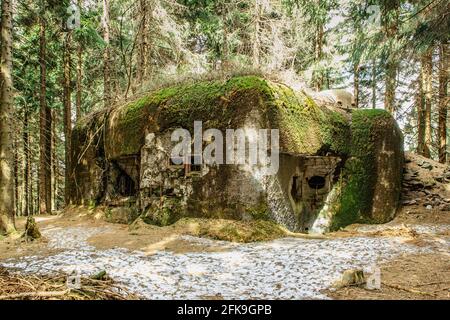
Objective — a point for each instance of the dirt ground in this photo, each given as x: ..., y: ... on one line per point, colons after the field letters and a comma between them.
x: 416, y: 277
x: 412, y: 276
x: 145, y: 238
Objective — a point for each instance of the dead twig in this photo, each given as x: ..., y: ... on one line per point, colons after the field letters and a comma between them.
x: 394, y: 286
x: 35, y: 287
x: 432, y: 283
x: 38, y: 294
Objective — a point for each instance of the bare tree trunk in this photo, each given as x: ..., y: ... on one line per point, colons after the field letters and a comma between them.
x: 26, y: 148
x: 374, y: 85
x: 54, y: 164
x: 225, y: 55
x: 67, y: 116
x: 390, y: 24
x: 106, y: 56
x: 318, y: 54
x: 427, y: 87
x: 34, y: 203
x: 420, y: 113
x: 444, y: 57
x: 390, y: 82
x: 6, y: 103
x: 42, y: 118
x: 143, y: 34
x: 256, y: 34
x: 45, y: 127
x: 356, y: 84
x: 79, y: 74
x: 16, y: 175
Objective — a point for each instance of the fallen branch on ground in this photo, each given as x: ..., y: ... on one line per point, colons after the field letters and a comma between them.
x: 38, y: 294
x: 394, y: 286
x: 15, y: 286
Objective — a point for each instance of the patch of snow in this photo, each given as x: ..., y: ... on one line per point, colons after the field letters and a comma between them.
x: 289, y: 268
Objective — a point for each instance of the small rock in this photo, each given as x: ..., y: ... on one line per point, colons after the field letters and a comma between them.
x: 100, y: 276
x: 429, y: 207
x: 426, y: 165
x: 122, y: 215
x: 351, y: 278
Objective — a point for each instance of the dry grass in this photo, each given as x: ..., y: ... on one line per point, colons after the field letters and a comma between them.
x: 16, y: 286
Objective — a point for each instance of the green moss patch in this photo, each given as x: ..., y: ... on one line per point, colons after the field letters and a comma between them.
x: 167, y: 213
x: 232, y: 230
x: 179, y: 106
x: 304, y: 126
x: 359, y: 173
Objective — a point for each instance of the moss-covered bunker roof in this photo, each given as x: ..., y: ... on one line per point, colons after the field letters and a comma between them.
x: 305, y: 127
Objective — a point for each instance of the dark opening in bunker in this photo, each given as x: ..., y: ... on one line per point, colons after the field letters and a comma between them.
x: 296, y: 188
x: 316, y: 182
x: 125, y: 185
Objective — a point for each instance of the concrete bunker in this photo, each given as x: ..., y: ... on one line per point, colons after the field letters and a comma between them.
x: 308, y: 181
x: 336, y: 166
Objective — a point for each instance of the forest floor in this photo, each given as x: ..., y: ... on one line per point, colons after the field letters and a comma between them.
x: 168, y: 262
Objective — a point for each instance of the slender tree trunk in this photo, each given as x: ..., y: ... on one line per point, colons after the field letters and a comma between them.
x: 42, y: 117
x: 79, y: 74
x: 225, y: 55
x: 256, y: 34
x: 67, y: 117
x: 16, y: 176
x: 45, y: 127
x: 34, y: 186
x: 54, y: 164
x: 319, y: 54
x: 356, y: 84
x: 390, y: 82
x: 79, y: 82
x: 26, y: 148
x: 149, y: 39
x: 427, y: 88
x: 106, y: 56
x: 390, y: 24
x: 374, y: 85
x: 6, y: 104
x: 444, y: 57
x: 420, y: 113
x: 143, y: 35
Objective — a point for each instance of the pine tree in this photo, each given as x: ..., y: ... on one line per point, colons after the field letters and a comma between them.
x: 6, y: 106
x: 444, y: 65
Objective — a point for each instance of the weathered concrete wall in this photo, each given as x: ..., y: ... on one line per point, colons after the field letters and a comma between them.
x: 88, y: 161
